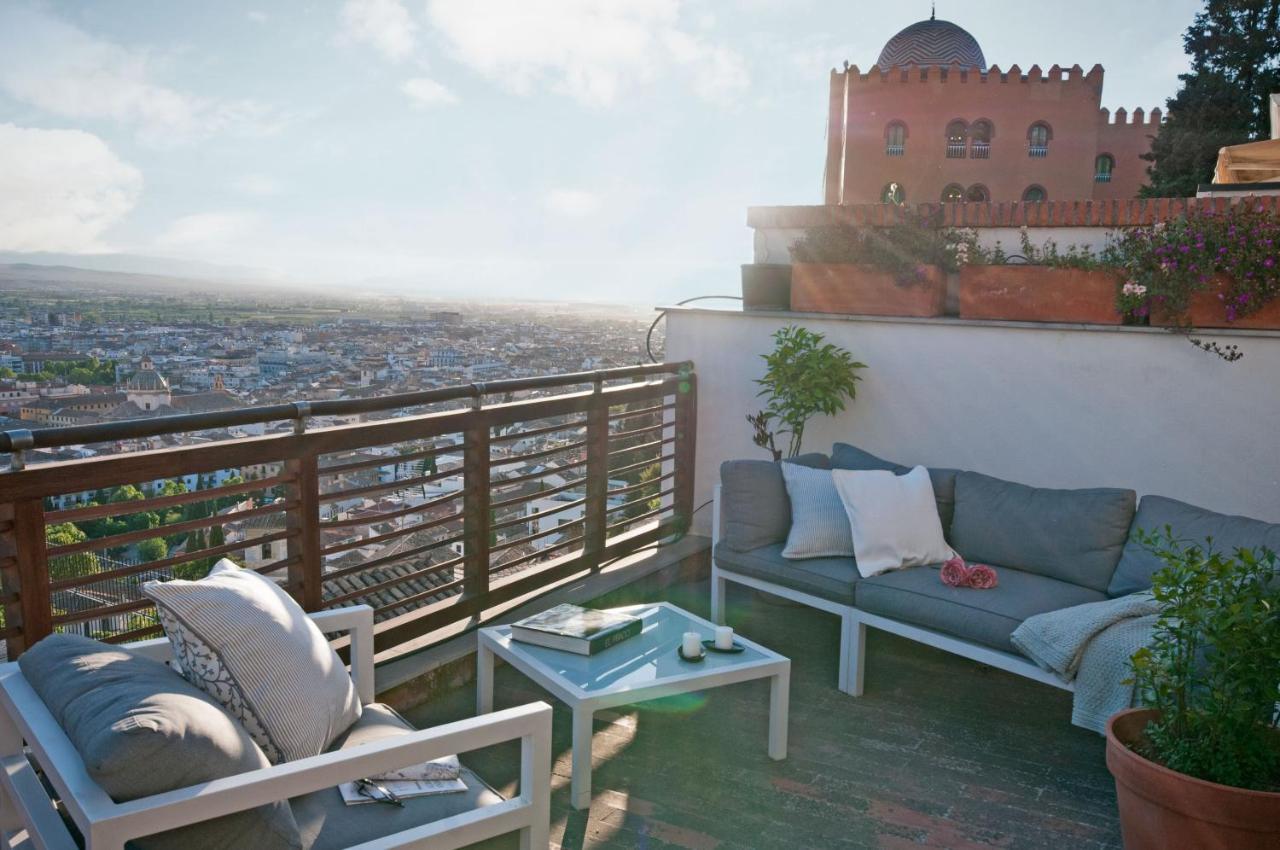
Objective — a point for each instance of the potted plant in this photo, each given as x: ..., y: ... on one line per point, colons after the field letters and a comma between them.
x: 804, y: 376
x: 898, y: 270
x: 1049, y: 285
x: 1199, y: 765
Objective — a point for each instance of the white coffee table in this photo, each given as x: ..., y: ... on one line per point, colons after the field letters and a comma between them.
x: 640, y: 668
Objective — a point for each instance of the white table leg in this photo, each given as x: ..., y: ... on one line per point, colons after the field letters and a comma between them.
x: 779, y: 702
x: 484, y: 679
x: 580, y: 782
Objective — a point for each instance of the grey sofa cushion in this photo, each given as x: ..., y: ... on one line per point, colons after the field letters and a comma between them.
x: 845, y: 456
x: 754, y: 509
x: 918, y: 596
x: 142, y: 729
x: 327, y: 823
x: 827, y: 578
x: 1189, y: 524
x: 1072, y: 535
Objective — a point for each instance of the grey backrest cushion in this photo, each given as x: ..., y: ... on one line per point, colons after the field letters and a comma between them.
x: 1189, y: 524
x: 754, y: 509
x: 142, y: 729
x: 845, y: 456
x: 1070, y: 535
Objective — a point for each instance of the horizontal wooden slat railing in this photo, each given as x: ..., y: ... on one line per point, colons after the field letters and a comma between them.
x: 430, y: 517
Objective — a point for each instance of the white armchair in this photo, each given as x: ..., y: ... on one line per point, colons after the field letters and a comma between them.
x: 28, y: 817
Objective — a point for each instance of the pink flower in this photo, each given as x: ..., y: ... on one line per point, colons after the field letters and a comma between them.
x: 954, y: 573
x: 982, y: 577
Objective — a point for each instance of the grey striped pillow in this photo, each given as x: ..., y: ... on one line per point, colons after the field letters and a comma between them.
x: 249, y: 645
x: 819, y: 524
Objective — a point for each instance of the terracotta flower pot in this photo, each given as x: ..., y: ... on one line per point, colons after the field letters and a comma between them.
x: 1161, y: 809
x: 859, y: 290
x: 766, y: 286
x: 1206, y: 310
x: 1023, y: 293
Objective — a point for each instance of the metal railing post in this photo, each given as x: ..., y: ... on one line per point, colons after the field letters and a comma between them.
x: 686, y: 428
x: 475, y: 500
x: 594, y: 518
x: 28, y: 577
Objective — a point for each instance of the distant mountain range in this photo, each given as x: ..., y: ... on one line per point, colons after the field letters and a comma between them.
x: 138, y: 264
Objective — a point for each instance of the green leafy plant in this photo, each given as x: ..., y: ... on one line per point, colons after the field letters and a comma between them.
x: 804, y: 377
x: 1213, y: 668
x: 903, y: 249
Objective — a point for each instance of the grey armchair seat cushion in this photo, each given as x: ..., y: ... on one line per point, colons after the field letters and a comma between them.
x: 1072, y: 535
x: 754, y: 508
x: 827, y: 578
x: 845, y: 456
x: 142, y: 729
x: 327, y: 823
x: 1189, y: 524
x: 918, y: 596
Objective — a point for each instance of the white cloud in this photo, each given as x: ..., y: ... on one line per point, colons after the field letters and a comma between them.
x: 208, y: 230
x: 256, y: 185
x: 63, y: 70
x: 383, y: 24
x: 60, y: 189
x: 428, y: 92
x: 571, y: 202
x: 591, y: 50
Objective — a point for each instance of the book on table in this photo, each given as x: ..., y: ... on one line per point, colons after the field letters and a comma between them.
x: 572, y: 628
x: 402, y: 789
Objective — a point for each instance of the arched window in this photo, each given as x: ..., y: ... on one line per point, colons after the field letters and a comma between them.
x: 1034, y: 195
x: 957, y: 139
x: 953, y: 194
x: 978, y: 194
x: 980, y: 139
x: 1102, y: 168
x: 893, y: 193
x: 1038, y: 136
x: 895, y: 139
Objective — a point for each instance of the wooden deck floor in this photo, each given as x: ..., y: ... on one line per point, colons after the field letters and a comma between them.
x: 938, y: 753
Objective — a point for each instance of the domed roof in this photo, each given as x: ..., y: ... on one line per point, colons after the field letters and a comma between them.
x: 147, y: 381
x: 933, y: 42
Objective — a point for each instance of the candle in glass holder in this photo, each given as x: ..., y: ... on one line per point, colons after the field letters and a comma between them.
x: 724, y: 637
x: 691, y: 646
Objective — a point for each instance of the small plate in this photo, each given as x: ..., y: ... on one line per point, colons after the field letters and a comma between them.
x: 680, y: 652
x: 711, y: 647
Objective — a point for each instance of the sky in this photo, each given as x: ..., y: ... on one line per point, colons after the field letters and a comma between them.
x: 597, y: 150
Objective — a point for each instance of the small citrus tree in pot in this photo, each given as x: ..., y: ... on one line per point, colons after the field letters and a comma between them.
x: 1199, y: 765
x: 804, y: 377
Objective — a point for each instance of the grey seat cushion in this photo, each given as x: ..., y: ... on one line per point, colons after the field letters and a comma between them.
x: 845, y: 456
x: 142, y: 729
x: 918, y: 596
x: 827, y: 578
x: 754, y: 508
x: 327, y: 823
x: 1189, y: 524
x: 1071, y: 535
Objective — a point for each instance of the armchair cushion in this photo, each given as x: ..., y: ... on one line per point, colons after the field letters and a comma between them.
x: 754, y: 509
x: 845, y: 456
x: 142, y: 729
x: 246, y: 643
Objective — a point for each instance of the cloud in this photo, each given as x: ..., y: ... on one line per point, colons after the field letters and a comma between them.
x: 256, y: 185
x: 208, y: 230
x: 428, y: 92
x: 63, y: 70
x: 60, y: 189
x: 590, y: 50
x: 383, y: 24
x: 571, y: 202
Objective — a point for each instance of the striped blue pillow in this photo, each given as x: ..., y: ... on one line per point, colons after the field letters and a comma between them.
x: 819, y: 523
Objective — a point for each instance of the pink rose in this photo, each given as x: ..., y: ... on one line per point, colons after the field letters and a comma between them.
x: 982, y: 577
x: 954, y: 573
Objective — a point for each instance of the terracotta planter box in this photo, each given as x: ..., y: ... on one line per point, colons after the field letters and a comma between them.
x: 1039, y: 294
x: 1161, y: 808
x: 1206, y: 311
x: 858, y: 290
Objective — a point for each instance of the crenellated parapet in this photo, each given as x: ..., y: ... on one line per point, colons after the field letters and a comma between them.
x: 1138, y: 118
x: 1056, y: 75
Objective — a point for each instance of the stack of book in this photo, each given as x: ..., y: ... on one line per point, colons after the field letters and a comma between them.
x: 575, y: 629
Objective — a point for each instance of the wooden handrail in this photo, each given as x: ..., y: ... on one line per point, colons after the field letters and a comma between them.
x: 310, y: 477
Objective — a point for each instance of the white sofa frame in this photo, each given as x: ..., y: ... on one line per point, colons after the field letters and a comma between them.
x: 854, y: 624
x: 107, y: 825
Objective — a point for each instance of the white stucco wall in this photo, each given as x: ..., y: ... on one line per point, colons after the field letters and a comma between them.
x: 1060, y: 407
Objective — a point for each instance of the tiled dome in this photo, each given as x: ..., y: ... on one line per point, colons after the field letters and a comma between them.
x: 933, y: 42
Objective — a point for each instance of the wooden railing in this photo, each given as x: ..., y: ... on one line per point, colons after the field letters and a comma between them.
x: 431, y: 517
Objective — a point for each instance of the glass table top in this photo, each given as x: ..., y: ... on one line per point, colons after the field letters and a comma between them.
x: 646, y: 659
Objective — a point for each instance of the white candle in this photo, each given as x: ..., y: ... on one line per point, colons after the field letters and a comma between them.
x: 724, y: 637
x: 692, y: 645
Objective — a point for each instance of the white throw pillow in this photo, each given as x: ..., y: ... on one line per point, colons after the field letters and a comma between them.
x: 249, y: 645
x: 819, y: 526
x: 893, y: 519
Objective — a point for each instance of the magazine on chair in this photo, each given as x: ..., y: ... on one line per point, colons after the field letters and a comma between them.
x: 575, y: 629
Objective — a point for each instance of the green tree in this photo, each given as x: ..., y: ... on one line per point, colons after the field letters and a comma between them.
x: 7, y: 374
x: 153, y: 549
x: 74, y: 565
x: 1234, y: 47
